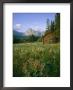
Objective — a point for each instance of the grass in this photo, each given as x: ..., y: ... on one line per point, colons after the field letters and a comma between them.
x: 36, y: 60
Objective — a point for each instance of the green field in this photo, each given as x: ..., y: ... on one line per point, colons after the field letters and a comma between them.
x: 36, y: 60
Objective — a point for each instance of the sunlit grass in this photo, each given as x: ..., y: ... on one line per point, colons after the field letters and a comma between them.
x: 36, y: 60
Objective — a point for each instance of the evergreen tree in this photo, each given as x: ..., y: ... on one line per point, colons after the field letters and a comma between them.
x: 52, y: 27
x: 57, y: 26
x: 48, y: 26
x: 57, y: 21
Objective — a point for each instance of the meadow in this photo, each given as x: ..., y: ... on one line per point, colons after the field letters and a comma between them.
x: 36, y: 60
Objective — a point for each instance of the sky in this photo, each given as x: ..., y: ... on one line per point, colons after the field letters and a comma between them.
x: 36, y: 21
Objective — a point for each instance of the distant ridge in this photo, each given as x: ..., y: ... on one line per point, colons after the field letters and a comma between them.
x: 27, y: 33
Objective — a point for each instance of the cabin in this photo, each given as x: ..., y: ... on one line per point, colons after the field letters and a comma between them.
x: 49, y: 37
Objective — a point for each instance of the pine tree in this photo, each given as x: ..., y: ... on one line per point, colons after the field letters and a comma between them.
x: 57, y: 20
x: 52, y: 26
x: 57, y: 26
x: 48, y: 26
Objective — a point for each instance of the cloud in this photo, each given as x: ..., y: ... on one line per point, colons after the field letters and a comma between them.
x: 18, y: 26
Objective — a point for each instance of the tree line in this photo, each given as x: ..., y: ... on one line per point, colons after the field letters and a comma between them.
x: 54, y: 27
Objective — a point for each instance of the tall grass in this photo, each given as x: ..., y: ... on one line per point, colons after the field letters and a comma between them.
x: 36, y: 60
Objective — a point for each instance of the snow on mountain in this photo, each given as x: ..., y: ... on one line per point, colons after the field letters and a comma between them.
x: 33, y: 32
x: 29, y: 32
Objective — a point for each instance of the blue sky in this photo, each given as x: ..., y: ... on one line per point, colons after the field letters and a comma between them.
x: 36, y: 21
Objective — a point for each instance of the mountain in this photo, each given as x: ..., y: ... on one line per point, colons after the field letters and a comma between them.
x: 30, y: 32
x: 26, y: 34
x: 18, y: 35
